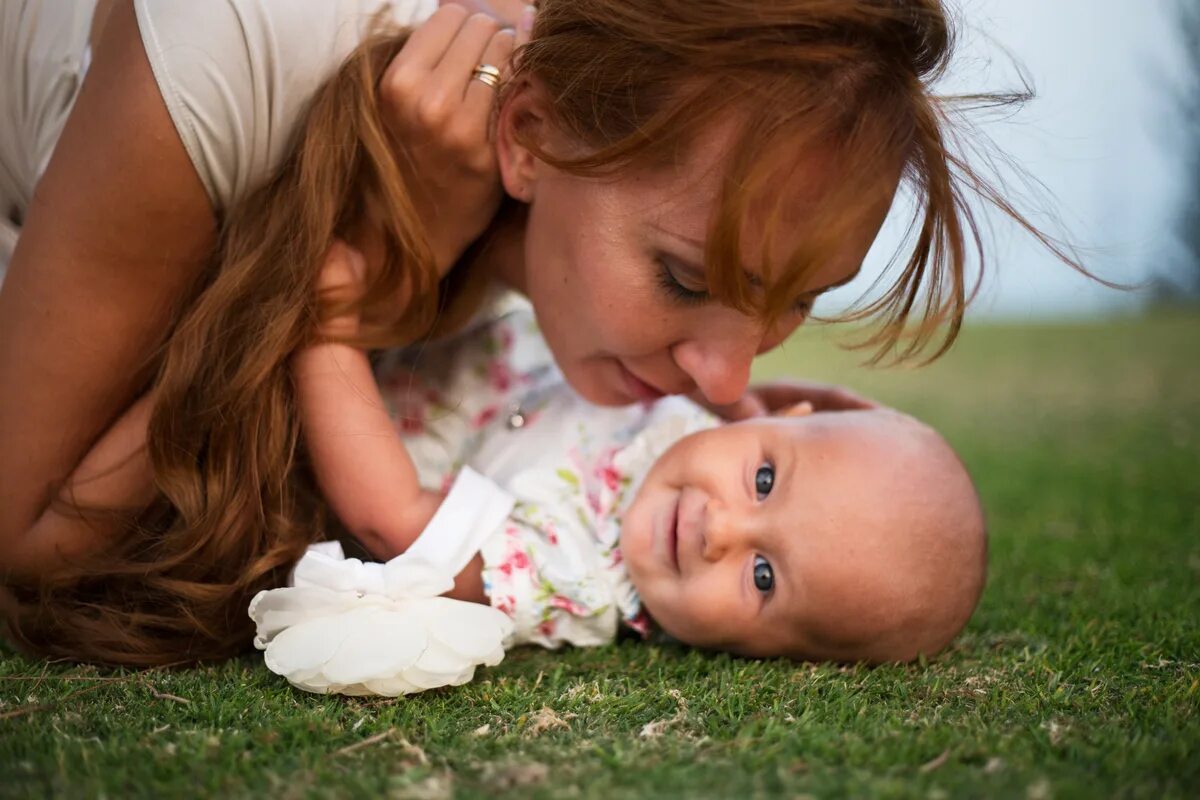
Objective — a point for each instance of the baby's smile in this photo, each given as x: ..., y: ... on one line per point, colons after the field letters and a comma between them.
x: 670, y: 536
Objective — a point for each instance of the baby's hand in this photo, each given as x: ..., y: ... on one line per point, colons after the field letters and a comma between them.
x: 770, y: 398
x: 778, y: 395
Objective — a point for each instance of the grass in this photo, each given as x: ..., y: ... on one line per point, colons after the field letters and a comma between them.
x: 1078, y: 677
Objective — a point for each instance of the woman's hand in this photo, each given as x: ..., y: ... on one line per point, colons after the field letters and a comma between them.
x: 769, y: 398
x: 440, y: 117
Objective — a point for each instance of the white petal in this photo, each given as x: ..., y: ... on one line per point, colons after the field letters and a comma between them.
x: 274, y: 610
x: 435, y: 680
x: 470, y: 629
x: 392, y: 687
x: 493, y: 658
x: 316, y: 685
x: 376, y: 643
x: 439, y: 659
x: 304, y: 647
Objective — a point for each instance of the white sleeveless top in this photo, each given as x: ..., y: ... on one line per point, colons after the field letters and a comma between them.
x: 237, y: 74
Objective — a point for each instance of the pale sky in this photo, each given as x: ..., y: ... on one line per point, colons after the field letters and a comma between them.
x: 1102, y: 135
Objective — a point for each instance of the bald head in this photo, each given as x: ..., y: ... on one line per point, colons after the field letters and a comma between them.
x: 899, y: 564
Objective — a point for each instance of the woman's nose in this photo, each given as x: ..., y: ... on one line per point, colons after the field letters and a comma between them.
x: 719, y: 366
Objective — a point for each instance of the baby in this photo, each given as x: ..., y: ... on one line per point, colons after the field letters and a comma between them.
x: 849, y: 536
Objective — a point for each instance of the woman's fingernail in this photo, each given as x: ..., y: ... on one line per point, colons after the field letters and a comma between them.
x: 528, y: 15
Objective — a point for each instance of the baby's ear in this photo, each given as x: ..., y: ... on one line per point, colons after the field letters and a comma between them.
x: 801, y: 409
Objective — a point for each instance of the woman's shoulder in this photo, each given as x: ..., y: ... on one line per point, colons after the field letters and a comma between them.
x: 236, y: 75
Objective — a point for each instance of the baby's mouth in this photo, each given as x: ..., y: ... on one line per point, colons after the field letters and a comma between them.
x: 673, y: 536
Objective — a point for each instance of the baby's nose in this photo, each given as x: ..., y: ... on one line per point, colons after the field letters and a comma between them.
x: 723, y: 530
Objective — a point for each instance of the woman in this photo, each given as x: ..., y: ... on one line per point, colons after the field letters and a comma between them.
x: 682, y: 179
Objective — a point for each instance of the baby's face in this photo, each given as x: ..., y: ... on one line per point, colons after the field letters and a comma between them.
x: 785, y: 536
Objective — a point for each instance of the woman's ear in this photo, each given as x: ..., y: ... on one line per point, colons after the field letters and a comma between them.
x: 522, y: 117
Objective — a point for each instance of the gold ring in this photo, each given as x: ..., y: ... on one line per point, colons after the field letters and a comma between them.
x: 486, y: 73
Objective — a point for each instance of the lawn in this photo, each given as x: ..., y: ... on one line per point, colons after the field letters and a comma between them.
x: 1079, y: 676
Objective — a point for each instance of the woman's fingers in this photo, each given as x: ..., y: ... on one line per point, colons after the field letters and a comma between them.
x: 453, y: 72
x: 480, y: 95
x: 428, y: 42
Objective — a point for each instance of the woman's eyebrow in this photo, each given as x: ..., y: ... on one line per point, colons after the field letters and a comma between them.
x: 751, y: 277
x: 698, y: 268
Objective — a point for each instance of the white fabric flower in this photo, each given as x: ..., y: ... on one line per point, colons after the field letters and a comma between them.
x: 348, y: 627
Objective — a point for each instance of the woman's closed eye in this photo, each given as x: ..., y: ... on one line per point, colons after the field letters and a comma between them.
x: 682, y: 286
x: 679, y: 289
x: 764, y: 575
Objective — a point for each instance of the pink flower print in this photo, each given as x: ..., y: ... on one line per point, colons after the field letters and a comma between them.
x: 410, y: 424
x: 516, y: 560
x: 605, y: 472
x: 617, y: 558
x: 546, y: 628
x: 551, y: 533
x: 500, y: 376
x: 568, y: 605
x: 484, y: 417
x: 640, y: 622
x: 400, y: 381
x: 506, y: 604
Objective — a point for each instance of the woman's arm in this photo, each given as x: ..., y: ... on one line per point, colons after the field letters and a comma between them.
x: 359, y: 461
x: 117, y: 232
x: 115, y: 474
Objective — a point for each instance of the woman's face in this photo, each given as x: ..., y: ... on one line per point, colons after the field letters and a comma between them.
x: 614, y: 269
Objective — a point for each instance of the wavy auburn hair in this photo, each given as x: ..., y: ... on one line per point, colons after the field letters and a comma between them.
x: 637, y: 83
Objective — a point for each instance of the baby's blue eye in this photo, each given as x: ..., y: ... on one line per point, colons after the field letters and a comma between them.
x: 764, y: 576
x: 764, y: 479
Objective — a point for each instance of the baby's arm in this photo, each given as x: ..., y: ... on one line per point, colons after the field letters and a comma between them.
x: 359, y: 460
x: 360, y: 463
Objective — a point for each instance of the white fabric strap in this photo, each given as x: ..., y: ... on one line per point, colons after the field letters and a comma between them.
x: 474, y: 508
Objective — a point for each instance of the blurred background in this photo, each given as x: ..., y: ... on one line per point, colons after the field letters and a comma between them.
x: 1113, y: 136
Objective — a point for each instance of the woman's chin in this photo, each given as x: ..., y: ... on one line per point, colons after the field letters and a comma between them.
x: 598, y: 385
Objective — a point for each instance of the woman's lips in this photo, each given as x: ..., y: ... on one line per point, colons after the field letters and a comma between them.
x: 638, y: 388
